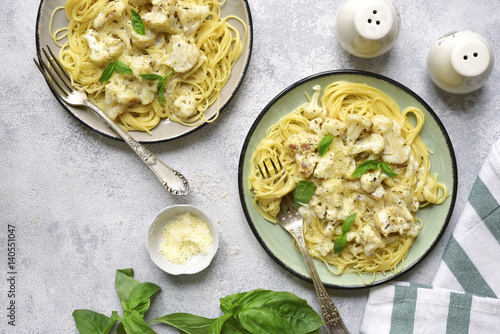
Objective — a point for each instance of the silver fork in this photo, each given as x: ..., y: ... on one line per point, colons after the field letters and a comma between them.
x: 291, y: 220
x: 60, y: 83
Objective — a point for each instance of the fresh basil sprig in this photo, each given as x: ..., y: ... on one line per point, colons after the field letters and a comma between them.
x: 137, y: 22
x: 115, y: 66
x: 324, y: 144
x: 372, y: 164
x: 161, y: 83
x: 135, y: 299
x: 257, y: 311
x: 341, y: 241
x: 303, y: 193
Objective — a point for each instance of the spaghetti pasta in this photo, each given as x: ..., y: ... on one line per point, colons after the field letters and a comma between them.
x: 366, y: 128
x: 187, y: 36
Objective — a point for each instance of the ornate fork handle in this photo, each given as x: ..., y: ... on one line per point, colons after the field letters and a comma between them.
x: 331, y: 315
x: 173, y: 181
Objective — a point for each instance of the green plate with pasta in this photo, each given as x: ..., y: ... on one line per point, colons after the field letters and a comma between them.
x: 433, y: 216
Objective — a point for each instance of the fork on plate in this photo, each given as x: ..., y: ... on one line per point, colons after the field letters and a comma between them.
x: 60, y: 84
x: 291, y: 220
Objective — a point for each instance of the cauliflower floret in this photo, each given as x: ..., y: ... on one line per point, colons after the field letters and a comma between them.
x: 162, y: 18
x: 326, y: 166
x: 395, y: 151
x: 302, y: 142
x: 374, y: 144
x: 388, y: 220
x: 333, y: 126
x: 355, y: 125
x: 111, y: 12
x: 142, y: 41
x: 370, y: 181
x: 381, y: 124
x: 313, y: 109
x: 185, y: 106
x: 302, y: 146
x: 370, y: 238
x: 103, y: 47
x: 141, y: 64
x: 325, y: 247
x: 191, y: 16
x: 122, y: 91
x: 402, y: 196
x: 184, y: 56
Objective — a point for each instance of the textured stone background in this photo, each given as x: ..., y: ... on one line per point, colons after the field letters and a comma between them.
x: 82, y: 203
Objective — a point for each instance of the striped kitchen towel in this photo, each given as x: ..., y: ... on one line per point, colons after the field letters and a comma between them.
x: 464, y: 294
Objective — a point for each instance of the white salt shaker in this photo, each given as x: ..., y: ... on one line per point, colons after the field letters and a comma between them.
x: 367, y: 28
x: 460, y: 62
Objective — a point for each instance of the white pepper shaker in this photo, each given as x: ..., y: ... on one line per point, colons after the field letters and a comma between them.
x: 367, y: 28
x: 460, y: 62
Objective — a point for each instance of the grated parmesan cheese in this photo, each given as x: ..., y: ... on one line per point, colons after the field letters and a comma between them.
x: 184, y: 237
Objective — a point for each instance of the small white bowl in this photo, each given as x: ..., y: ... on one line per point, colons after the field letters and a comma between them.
x: 198, y: 262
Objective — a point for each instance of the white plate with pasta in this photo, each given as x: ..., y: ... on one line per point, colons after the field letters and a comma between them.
x: 401, y: 205
x: 190, y: 97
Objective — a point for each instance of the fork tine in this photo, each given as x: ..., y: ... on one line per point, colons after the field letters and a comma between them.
x: 289, y: 202
x: 43, y: 67
x: 59, y: 69
x: 274, y: 166
x: 261, y: 172
x: 57, y: 72
x: 267, y: 173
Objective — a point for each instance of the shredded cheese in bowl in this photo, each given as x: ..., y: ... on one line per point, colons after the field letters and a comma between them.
x: 182, y: 240
x: 184, y: 237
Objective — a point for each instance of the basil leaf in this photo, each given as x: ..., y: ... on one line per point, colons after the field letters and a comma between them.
x: 233, y: 326
x: 340, y: 243
x: 347, y: 224
x: 161, y: 91
x: 139, y: 298
x: 115, y: 66
x: 303, y: 193
x: 188, y: 323
x: 90, y: 322
x: 266, y: 311
x: 151, y: 76
x: 108, y: 72
x: 122, y: 68
x: 137, y: 23
x: 387, y: 170
x: 134, y: 323
x: 365, y: 167
x: 324, y: 144
x: 124, y: 284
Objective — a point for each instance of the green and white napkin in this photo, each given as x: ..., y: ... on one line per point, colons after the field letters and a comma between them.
x: 464, y: 294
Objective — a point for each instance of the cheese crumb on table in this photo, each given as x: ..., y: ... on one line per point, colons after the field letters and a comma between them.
x: 184, y: 237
